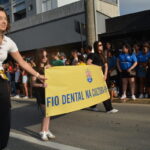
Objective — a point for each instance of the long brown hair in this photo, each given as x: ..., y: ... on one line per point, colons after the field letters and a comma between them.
x: 101, y: 55
x: 39, y: 55
x: 8, y: 20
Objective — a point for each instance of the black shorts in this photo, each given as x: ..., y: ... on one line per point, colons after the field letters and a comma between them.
x: 39, y: 93
x: 126, y: 74
x: 4, y: 113
x: 148, y: 78
x: 148, y: 83
x: 17, y: 84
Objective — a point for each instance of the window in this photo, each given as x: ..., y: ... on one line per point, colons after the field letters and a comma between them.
x: 111, y: 1
x: 30, y: 8
x: 3, y: 1
x: 20, y: 15
x: 46, y: 5
x: 18, y: 0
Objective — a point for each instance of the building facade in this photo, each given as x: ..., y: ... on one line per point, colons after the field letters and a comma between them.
x: 55, y: 24
x: 130, y: 28
x: 20, y: 9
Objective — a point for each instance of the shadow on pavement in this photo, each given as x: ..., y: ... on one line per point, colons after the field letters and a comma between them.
x: 24, y: 117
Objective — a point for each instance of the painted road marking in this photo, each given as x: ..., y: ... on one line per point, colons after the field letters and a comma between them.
x: 49, y: 144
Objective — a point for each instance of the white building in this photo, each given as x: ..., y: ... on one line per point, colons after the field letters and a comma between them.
x: 55, y: 23
x: 19, y: 9
x: 61, y: 3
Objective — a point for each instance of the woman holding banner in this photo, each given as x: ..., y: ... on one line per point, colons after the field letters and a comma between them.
x: 98, y: 58
x: 42, y: 63
x: 8, y: 46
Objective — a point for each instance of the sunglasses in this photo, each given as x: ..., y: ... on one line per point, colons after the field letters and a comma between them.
x: 44, y: 56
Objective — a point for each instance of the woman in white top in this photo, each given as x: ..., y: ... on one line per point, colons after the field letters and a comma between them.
x: 8, y: 46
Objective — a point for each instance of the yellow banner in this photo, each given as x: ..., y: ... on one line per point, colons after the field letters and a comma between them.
x: 72, y: 88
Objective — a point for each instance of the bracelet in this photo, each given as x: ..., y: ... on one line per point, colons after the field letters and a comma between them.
x: 37, y: 74
x: 41, y: 85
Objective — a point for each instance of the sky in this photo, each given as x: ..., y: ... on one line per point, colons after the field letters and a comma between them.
x: 131, y: 6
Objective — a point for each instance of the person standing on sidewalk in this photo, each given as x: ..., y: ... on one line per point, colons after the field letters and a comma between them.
x: 126, y: 63
x: 17, y: 80
x: 25, y: 84
x: 42, y: 63
x: 142, y: 66
x: 8, y: 46
x: 98, y: 58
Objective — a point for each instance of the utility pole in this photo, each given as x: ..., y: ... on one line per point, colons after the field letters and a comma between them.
x: 81, y: 34
x: 90, y: 21
x: 11, y: 11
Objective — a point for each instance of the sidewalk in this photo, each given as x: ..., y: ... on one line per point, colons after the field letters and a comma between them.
x: 130, y: 101
x: 16, y: 144
x: 23, y: 142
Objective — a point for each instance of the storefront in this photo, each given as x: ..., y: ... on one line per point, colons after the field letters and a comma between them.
x: 128, y: 28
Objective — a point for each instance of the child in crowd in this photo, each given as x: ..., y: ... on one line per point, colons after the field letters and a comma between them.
x: 112, y: 89
x: 42, y: 62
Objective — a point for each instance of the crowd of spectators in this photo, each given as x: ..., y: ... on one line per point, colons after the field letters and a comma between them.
x: 128, y: 65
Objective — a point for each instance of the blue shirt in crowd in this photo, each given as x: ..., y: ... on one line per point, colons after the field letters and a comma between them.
x: 143, y: 58
x: 112, y: 62
x: 127, y: 60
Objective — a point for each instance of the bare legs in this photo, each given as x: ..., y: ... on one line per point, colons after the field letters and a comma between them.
x: 124, y: 85
x: 45, y: 122
x: 45, y: 132
x: 141, y: 84
x: 125, y: 82
x: 132, y: 85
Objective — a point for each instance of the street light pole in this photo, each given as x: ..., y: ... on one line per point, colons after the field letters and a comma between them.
x: 90, y: 21
x: 81, y: 34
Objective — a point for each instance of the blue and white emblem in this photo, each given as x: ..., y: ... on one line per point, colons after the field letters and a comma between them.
x: 89, y: 76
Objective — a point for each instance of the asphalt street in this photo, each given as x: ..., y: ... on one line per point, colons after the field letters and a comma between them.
x: 129, y: 129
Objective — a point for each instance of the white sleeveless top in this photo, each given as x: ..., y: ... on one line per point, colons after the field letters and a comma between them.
x: 7, y: 46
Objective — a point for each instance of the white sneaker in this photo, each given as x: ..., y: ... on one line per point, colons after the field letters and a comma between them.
x: 146, y: 96
x: 123, y: 96
x: 17, y: 96
x: 141, y: 96
x: 50, y: 135
x: 26, y: 97
x: 113, y: 111
x: 133, y: 97
x: 95, y: 109
x: 43, y: 136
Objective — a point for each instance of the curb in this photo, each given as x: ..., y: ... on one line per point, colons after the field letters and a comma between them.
x: 116, y: 100
x: 130, y: 101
